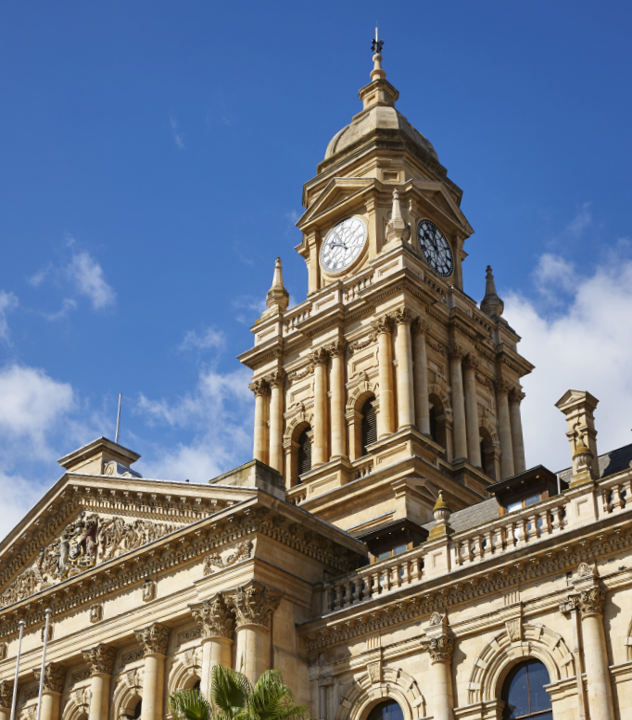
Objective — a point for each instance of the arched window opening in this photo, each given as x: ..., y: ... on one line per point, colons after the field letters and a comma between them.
x: 368, y: 426
x: 524, y: 694
x: 197, y: 685
x: 137, y: 711
x: 487, y: 453
x: 437, y: 420
x: 388, y: 710
x: 304, y: 452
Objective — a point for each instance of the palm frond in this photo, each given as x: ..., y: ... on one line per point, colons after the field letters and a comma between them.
x: 189, y: 705
x: 230, y: 691
x: 272, y: 699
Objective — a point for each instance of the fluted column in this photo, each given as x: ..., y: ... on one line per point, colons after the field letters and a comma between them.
x: 404, y: 354
x: 420, y: 370
x: 504, y: 428
x: 440, y: 650
x: 517, y: 440
x: 275, y: 381
x: 254, y: 605
x: 386, y: 415
x: 53, y: 687
x: 591, y: 605
x: 320, y: 358
x: 154, y: 640
x: 217, y: 637
x: 6, y: 698
x: 456, y: 354
x: 100, y: 660
x: 470, y: 364
x: 338, y: 438
x: 261, y: 391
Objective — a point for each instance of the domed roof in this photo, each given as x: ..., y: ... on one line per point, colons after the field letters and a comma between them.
x: 379, y: 113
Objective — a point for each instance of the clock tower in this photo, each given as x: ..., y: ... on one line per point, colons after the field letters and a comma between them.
x: 389, y: 384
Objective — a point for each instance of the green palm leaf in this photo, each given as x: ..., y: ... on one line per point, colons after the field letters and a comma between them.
x: 272, y: 699
x: 189, y: 705
x: 230, y: 690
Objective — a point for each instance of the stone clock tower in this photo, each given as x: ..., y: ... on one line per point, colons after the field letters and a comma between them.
x: 389, y: 383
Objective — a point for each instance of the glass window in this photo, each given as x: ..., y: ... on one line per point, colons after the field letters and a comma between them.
x: 524, y: 694
x: 532, y: 500
x: 514, y: 506
x: 388, y: 710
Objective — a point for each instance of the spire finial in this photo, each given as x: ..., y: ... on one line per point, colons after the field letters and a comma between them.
x: 376, y: 48
x: 278, y: 297
x: 491, y: 304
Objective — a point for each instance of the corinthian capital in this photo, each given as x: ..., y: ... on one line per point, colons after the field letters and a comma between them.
x: 590, y: 602
x: 100, y: 659
x: 469, y: 361
x: 403, y: 316
x: 276, y: 379
x: 441, y: 649
x: 253, y: 603
x: 54, y: 677
x: 456, y: 351
x: 516, y: 396
x: 6, y: 694
x: 420, y: 326
x: 320, y: 356
x: 383, y: 324
x: 338, y: 348
x: 259, y: 387
x: 214, y: 617
x: 154, y: 639
x: 502, y: 386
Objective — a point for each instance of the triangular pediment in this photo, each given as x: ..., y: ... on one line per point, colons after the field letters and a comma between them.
x: 437, y: 194
x: 336, y: 192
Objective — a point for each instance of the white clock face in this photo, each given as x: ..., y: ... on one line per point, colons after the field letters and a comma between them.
x: 435, y: 247
x: 343, y: 245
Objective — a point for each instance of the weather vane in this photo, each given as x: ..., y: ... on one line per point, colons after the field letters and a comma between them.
x: 376, y: 45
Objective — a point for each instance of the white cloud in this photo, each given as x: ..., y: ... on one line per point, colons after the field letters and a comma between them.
x: 210, y: 338
x: 178, y: 136
x: 15, y: 504
x: 578, y: 335
x: 67, y: 305
x: 219, y: 416
x: 39, y: 277
x: 87, y: 275
x: 8, y: 302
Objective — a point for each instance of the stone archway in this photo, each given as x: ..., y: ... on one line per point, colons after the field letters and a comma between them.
x: 379, y: 684
x: 185, y: 671
x: 128, y: 692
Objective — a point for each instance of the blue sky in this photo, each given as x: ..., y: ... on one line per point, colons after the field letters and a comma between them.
x: 153, y: 156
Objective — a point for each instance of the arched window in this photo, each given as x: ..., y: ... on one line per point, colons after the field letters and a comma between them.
x: 137, y: 711
x: 368, y: 427
x: 388, y: 710
x: 487, y: 453
x: 437, y: 420
x: 304, y: 452
x: 197, y: 685
x: 524, y: 694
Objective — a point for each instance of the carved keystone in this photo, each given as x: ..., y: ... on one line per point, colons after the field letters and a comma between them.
x: 253, y: 603
x: 154, y: 639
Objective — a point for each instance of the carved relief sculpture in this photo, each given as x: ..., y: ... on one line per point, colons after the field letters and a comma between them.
x: 441, y: 649
x: 228, y: 557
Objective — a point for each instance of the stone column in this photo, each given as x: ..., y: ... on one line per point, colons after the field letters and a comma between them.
x: 154, y: 640
x: 261, y: 390
x: 456, y: 354
x: 420, y: 369
x: 320, y: 358
x: 54, y: 679
x: 440, y: 650
x: 386, y: 415
x: 275, y: 381
x: 338, y: 439
x: 404, y: 354
x: 517, y: 440
x: 591, y: 604
x: 100, y: 660
x: 217, y: 637
x: 470, y: 364
x: 6, y: 698
x: 253, y: 605
x: 504, y: 428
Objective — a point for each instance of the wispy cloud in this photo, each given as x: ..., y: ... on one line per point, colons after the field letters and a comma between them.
x: 87, y: 275
x: 178, y: 136
x: 39, y: 277
x: 67, y: 305
x: 209, y: 338
x: 255, y: 305
x: 8, y: 302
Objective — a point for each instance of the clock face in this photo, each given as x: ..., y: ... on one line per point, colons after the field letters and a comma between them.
x: 435, y: 247
x: 343, y: 245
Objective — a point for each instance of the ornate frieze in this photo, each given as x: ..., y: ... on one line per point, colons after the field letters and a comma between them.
x: 154, y: 639
x: 440, y: 649
x: 6, y: 694
x: 253, y: 603
x: 364, y: 343
x: 228, y: 557
x: 214, y: 617
x: 100, y: 659
x: 54, y: 677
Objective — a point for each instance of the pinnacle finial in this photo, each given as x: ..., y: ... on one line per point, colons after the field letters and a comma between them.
x: 491, y: 304
x: 376, y: 48
x: 278, y: 297
x: 397, y: 229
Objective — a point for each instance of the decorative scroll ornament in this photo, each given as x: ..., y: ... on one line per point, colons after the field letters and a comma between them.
x: 154, y: 639
x: 441, y: 649
x: 54, y: 677
x: 228, y: 557
x: 6, y: 694
x: 100, y: 659
x: 87, y: 541
x: 214, y: 617
x: 254, y: 603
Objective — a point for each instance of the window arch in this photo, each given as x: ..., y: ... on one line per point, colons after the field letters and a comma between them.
x: 487, y: 453
x: 135, y: 715
x: 368, y: 425
x: 388, y: 710
x: 524, y: 694
x: 304, y: 452
x: 437, y: 420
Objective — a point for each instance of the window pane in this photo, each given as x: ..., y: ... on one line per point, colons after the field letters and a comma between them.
x: 394, y: 712
x: 386, y: 711
x: 532, y: 500
x: 399, y: 549
x: 384, y: 555
x: 514, y: 506
x: 538, y: 677
x: 518, y: 693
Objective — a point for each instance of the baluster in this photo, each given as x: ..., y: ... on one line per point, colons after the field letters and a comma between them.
x: 477, y: 548
x: 338, y: 598
x: 465, y: 552
x: 406, y: 579
x: 326, y: 599
x: 414, y: 576
x: 627, y: 491
x: 386, y: 578
x: 532, y: 528
x: 545, y: 529
x: 604, y: 500
x: 520, y: 532
x: 617, y: 500
x: 375, y: 590
x: 348, y: 599
x: 497, y: 540
x: 357, y: 589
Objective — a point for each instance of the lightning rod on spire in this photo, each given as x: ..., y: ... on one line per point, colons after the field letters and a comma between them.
x: 376, y: 45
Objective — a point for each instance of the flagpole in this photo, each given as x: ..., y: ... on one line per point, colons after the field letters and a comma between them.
x: 17, y: 670
x: 41, y: 682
